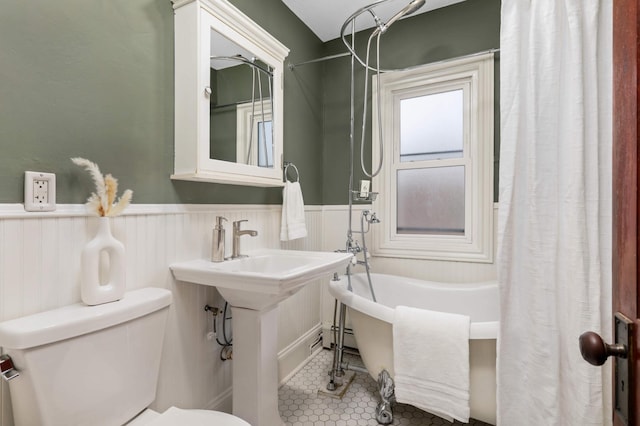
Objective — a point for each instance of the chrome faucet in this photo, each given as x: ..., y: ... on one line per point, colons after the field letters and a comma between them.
x: 237, y: 233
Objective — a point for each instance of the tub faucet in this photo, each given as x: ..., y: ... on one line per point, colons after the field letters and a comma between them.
x: 237, y: 233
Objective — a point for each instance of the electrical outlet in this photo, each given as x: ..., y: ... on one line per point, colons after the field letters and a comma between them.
x: 39, y: 192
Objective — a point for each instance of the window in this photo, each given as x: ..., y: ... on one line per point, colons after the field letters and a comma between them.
x: 254, y: 134
x: 436, y: 184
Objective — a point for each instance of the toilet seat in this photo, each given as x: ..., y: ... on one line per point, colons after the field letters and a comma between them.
x: 176, y: 416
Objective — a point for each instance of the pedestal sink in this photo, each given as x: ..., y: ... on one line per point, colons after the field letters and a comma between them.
x: 253, y: 286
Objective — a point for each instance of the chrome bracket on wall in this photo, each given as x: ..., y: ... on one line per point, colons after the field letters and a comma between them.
x: 7, y: 369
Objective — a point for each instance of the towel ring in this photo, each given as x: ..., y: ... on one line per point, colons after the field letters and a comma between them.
x: 286, y: 169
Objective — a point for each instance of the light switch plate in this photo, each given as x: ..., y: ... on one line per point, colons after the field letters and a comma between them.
x: 39, y: 191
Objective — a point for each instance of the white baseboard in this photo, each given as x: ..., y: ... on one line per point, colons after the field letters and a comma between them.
x: 298, y: 353
x: 327, y: 337
x: 290, y: 360
x: 223, y: 402
x: 295, y: 356
x: 301, y: 366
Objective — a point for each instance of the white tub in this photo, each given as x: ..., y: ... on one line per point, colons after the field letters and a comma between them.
x: 372, y: 325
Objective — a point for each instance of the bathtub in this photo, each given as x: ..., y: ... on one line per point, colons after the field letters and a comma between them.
x: 372, y: 325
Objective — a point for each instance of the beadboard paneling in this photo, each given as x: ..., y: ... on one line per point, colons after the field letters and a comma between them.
x: 40, y: 267
x: 39, y: 270
x: 334, y: 236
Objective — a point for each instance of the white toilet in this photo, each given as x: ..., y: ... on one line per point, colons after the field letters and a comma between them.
x: 95, y: 365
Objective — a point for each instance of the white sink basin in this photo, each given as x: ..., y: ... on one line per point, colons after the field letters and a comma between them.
x: 264, y: 277
x: 253, y: 286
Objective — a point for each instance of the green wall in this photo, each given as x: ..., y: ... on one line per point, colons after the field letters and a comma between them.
x: 464, y: 28
x: 95, y: 79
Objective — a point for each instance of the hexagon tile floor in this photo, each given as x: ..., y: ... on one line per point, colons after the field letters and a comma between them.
x: 301, y: 405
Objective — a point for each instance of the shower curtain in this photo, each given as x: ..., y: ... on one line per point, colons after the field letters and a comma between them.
x: 554, y: 221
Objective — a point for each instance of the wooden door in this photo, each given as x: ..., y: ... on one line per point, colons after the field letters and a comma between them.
x: 626, y: 241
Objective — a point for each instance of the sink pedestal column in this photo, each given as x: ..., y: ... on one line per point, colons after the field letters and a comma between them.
x: 255, y: 365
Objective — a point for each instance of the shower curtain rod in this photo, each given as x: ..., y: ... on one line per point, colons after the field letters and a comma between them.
x: 324, y: 58
x: 340, y: 55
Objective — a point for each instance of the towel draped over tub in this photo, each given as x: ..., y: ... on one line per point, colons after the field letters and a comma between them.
x: 431, y: 361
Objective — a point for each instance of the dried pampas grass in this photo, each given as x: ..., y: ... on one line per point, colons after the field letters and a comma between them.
x: 103, y: 201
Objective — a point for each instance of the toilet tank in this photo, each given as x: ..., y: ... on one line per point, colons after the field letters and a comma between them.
x: 87, y: 365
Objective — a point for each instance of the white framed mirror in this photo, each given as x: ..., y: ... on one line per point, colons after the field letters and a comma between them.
x: 228, y: 96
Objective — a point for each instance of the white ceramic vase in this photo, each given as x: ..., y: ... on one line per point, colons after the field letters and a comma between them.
x: 103, y: 277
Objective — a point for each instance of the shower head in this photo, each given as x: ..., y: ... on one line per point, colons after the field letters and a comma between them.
x: 412, y: 7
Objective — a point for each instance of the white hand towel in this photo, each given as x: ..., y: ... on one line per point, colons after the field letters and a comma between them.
x: 431, y: 361
x: 293, y: 224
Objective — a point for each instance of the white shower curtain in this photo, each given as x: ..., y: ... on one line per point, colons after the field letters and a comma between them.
x: 554, y: 226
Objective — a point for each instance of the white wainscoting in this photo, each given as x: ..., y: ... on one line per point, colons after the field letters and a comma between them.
x: 39, y: 270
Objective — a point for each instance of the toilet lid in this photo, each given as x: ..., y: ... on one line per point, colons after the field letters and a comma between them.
x: 176, y: 416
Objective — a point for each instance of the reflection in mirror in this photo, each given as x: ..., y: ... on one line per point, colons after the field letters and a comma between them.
x: 240, y: 105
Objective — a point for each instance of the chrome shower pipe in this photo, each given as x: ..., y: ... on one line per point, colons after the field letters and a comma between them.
x: 338, y: 341
x: 365, y: 251
x: 253, y: 106
x: 352, y: 20
x: 351, y: 139
x: 338, y: 364
x: 255, y: 70
x: 368, y: 8
x: 407, y: 10
x: 381, y: 27
x: 264, y: 129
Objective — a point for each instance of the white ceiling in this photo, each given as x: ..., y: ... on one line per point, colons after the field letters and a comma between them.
x: 325, y: 17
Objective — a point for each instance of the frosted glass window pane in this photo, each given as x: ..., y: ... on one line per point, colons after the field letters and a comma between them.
x: 431, y: 201
x: 431, y: 126
x: 265, y: 144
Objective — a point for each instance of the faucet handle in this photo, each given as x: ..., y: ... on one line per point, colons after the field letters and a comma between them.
x: 236, y: 224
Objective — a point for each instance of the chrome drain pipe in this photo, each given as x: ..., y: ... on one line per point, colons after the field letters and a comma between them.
x: 354, y: 367
x: 336, y: 370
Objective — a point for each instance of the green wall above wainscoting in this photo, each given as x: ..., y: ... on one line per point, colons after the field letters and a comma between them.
x: 461, y: 29
x: 95, y: 79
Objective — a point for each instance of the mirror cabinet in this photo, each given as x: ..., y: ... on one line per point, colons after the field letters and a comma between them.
x: 228, y: 96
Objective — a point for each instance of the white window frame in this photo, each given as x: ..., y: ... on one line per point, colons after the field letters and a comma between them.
x: 474, y: 75
x: 245, y: 124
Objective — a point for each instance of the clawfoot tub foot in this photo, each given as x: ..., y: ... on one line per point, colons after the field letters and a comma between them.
x: 384, y: 413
